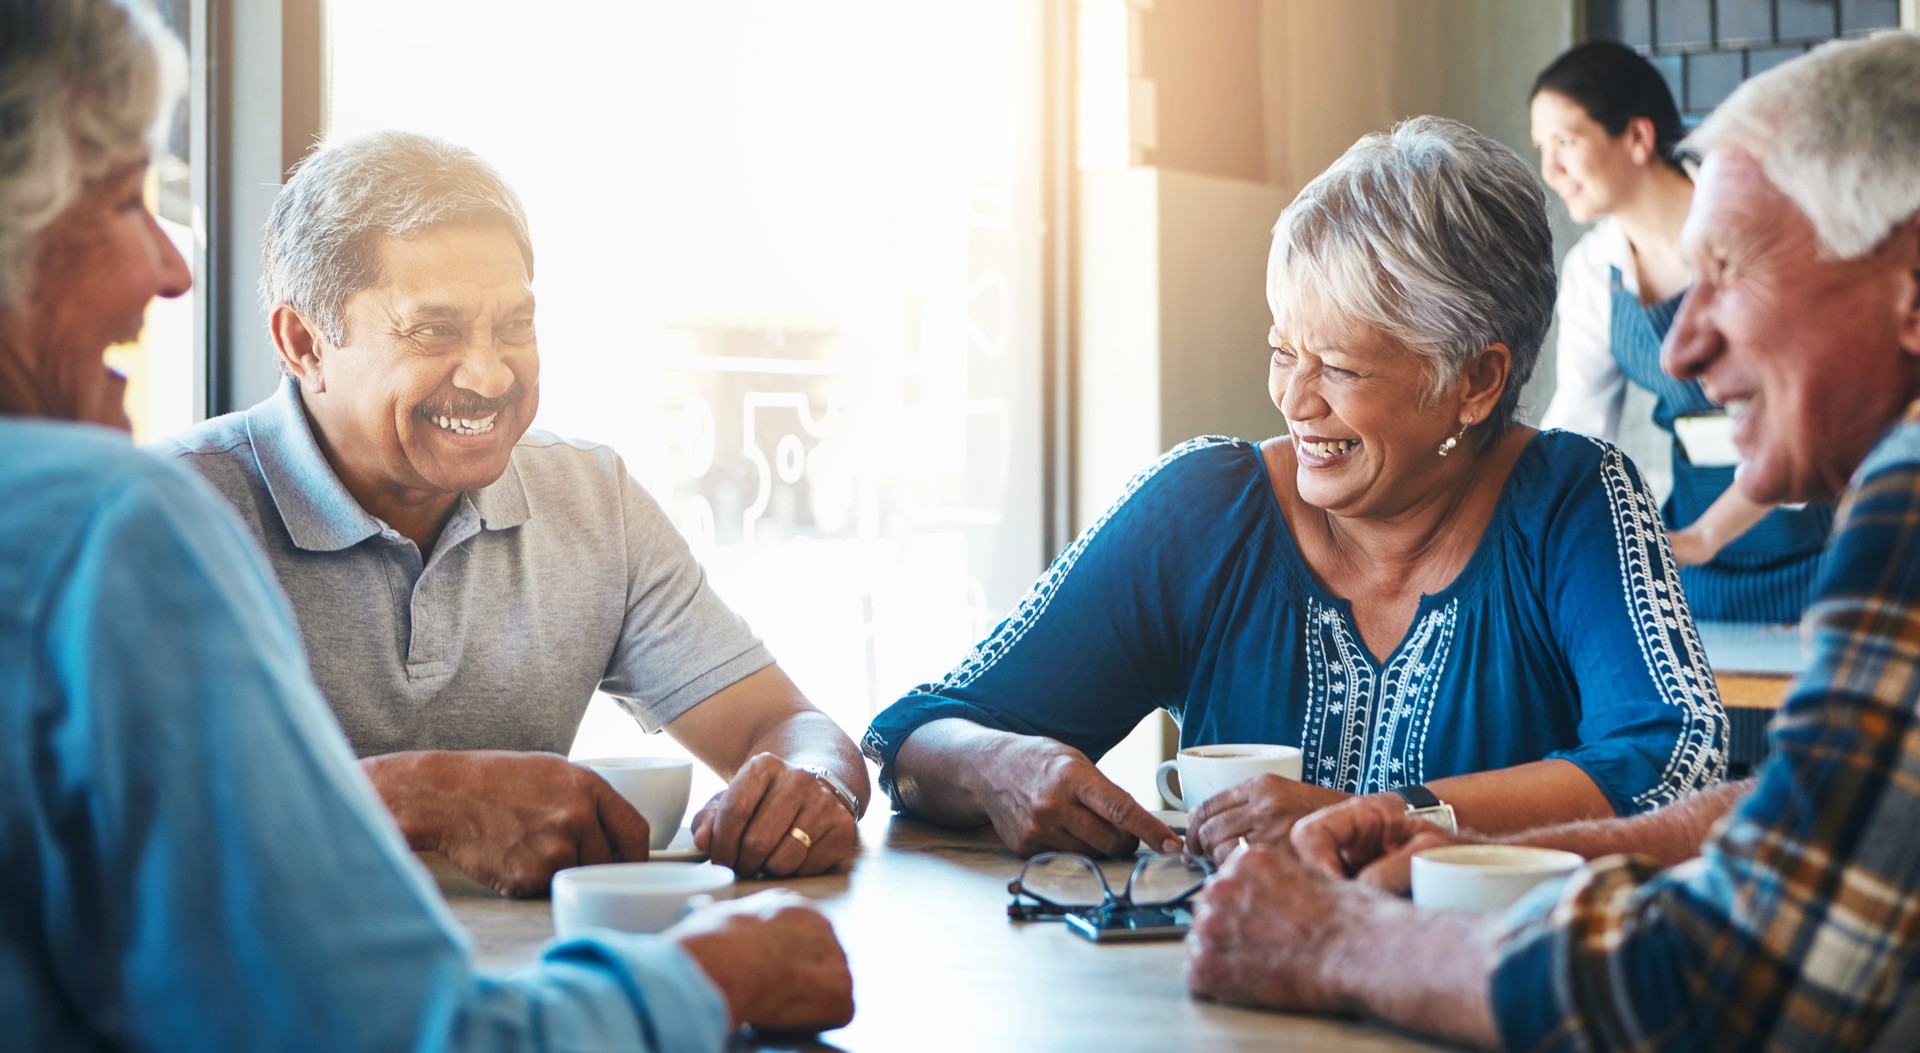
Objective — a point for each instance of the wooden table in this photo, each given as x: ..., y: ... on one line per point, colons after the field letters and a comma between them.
x: 937, y: 964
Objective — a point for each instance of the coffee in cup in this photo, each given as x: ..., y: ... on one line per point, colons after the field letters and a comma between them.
x: 657, y: 787
x: 1206, y: 770
x: 634, y: 897
x: 1485, y: 877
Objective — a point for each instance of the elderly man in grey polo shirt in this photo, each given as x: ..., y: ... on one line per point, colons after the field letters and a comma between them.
x: 463, y: 584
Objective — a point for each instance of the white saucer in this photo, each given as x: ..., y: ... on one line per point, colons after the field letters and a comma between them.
x: 680, y: 851
x: 1177, y: 820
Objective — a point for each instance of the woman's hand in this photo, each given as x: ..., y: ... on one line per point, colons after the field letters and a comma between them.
x: 1262, y: 810
x: 1046, y: 796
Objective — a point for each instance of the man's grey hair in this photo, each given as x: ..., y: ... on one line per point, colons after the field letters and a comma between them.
x: 1837, y: 130
x: 323, y: 236
x: 86, y: 86
x: 1436, y: 236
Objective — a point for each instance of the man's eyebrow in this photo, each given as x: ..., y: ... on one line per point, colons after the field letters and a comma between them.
x: 438, y: 311
x: 431, y: 312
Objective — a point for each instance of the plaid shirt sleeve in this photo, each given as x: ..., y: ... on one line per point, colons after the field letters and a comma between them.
x: 1797, y: 927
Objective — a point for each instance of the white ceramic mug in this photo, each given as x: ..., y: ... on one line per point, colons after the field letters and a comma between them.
x: 657, y: 787
x: 1206, y: 770
x: 1484, y: 877
x: 634, y: 897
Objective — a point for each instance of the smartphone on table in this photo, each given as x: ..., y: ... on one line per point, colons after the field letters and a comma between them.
x: 1132, y: 923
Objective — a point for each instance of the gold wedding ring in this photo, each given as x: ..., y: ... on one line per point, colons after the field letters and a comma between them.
x: 801, y: 836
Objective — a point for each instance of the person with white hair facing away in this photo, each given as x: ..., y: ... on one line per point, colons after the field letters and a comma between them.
x: 1444, y: 609
x: 193, y: 860
x: 1787, y: 915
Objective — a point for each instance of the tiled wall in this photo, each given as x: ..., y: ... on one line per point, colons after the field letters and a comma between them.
x: 1707, y: 47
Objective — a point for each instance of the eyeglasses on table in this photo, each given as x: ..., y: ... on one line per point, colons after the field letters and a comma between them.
x: 1054, y: 884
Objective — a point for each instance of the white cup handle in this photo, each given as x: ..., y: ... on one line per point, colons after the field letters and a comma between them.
x: 1167, y: 770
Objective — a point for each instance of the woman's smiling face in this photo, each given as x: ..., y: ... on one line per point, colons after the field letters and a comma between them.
x: 1363, y: 416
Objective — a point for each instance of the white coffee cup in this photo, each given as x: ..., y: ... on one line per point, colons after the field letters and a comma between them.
x: 634, y: 897
x: 657, y: 787
x: 1206, y: 770
x: 1485, y: 877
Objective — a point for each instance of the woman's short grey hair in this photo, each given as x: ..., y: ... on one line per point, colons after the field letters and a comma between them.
x: 323, y: 235
x: 1432, y: 234
x: 86, y: 86
x: 1837, y: 130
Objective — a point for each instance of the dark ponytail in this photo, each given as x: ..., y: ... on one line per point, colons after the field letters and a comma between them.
x: 1615, y: 84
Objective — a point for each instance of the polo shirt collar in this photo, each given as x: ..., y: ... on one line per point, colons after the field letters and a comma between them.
x: 319, y: 513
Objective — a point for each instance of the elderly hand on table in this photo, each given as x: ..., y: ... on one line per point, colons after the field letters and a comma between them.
x: 776, y: 818
x: 508, y: 820
x: 1371, y: 843
x: 775, y: 960
x: 1046, y: 796
x: 1268, y: 932
x: 1271, y: 931
x: 1263, y: 810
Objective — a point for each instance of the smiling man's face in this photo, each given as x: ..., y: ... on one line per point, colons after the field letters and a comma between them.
x: 439, y: 374
x: 1805, y: 352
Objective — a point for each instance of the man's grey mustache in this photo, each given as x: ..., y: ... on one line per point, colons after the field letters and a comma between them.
x: 477, y: 406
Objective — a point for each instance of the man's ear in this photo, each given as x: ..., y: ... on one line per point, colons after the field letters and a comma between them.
x: 1484, y: 380
x: 298, y: 346
x: 1906, y: 284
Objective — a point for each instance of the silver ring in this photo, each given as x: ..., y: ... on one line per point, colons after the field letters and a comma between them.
x: 801, y: 836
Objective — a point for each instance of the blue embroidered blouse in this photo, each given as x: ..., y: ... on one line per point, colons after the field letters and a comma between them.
x: 1565, y: 635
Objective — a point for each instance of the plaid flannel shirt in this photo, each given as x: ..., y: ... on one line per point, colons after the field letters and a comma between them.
x: 1797, y: 927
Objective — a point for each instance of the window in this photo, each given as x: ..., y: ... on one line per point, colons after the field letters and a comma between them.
x: 789, y: 265
x: 161, y: 364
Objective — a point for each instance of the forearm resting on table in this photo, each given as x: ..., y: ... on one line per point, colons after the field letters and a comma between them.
x: 1522, y: 797
x: 1424, y: 971
x: 1668, y: 836
x: 414, y: 785
x: 942, y: 771
x: 812, y: 738
x: 765, y: 712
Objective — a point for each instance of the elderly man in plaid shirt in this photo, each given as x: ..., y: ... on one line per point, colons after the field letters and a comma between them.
x: 1779, y: 913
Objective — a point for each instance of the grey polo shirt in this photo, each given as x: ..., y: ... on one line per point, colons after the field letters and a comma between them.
x: 560, y: 578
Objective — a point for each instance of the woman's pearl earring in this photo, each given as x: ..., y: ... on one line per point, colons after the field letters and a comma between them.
x: 1454, y: 439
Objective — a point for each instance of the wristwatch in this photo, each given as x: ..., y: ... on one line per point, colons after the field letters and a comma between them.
x: 836, y: 786
x: 1422, y: 804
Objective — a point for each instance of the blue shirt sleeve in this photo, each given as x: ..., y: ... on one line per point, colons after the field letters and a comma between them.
x: 1652, y: 729
x: 216, y: 873
x: 1096, y: 644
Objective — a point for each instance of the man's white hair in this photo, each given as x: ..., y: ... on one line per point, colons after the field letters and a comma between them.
x: 85, y: 87
x: 1837, y: 131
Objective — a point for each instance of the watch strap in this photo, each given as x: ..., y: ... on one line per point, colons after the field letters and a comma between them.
x: 836, y: 786
x: 1422, y: 804
x: 1418, y: 797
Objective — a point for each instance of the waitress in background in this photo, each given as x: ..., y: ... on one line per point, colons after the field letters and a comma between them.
x: 1606, y: 127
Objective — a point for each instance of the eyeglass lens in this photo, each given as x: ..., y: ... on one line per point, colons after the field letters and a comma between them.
x: 1166, y: 878
x: 1064, y: 880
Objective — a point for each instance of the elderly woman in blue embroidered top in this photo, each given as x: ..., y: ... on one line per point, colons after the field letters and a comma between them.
x: 1408, y: 584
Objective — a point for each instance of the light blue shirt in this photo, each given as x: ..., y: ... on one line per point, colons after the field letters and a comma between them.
x: 191, y: 859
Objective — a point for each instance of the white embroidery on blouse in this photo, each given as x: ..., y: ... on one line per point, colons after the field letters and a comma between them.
x: 1367, y: 732
x: 1668, y: 642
